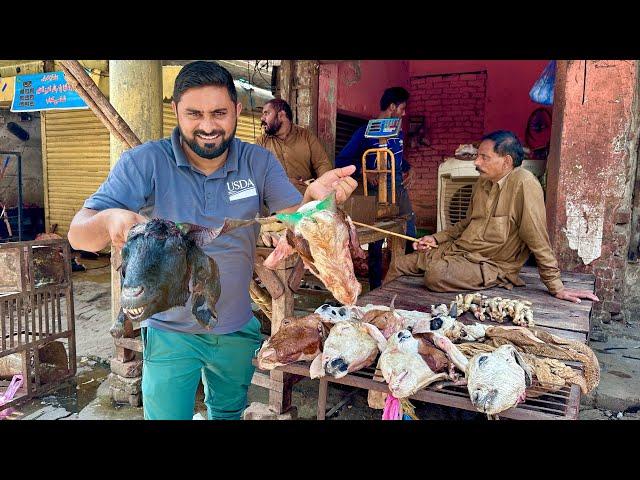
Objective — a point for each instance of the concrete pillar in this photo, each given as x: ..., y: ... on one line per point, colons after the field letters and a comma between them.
x: 592, y: 166
x: 327, y: 108
x: 285, y: 83
x: 135, y: 91
x: 298, y: 85
x: 306, y: 83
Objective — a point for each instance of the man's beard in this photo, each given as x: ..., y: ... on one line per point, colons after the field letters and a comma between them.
x: 209, y: 151
x: 273, y: 128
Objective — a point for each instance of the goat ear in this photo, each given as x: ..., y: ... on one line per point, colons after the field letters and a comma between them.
x: 393, y: 302
x: 453, y: 310
x: 137, y: 229
x: 205, y: 285
x: 315, y: 369
x: 328, y: 203
x: 326, y: 326
x: 381, y: 342
x: 204, y: 236
x: 528, y: 376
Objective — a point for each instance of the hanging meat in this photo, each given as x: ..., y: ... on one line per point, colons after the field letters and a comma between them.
x: 326, y: 240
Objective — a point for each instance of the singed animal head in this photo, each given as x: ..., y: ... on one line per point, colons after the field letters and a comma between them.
x: 387, y: 321
x: 497, y: 380
x: 297, y: 339
x: 333, y: 314
x: 404, y: 341
x: 349, y: 346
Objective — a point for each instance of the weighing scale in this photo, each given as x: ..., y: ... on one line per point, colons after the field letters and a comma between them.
x: 382, y: 129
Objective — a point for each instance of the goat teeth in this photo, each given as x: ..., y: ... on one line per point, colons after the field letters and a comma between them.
x: 134, y: 311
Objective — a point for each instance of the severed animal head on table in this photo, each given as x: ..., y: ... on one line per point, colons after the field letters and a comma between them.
x: 404, y: 367
x: 496, y: 381
x: 350, y: 346
x: 298, y: 339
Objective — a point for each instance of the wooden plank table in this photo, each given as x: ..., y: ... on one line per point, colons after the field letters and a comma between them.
x: 562, y: 318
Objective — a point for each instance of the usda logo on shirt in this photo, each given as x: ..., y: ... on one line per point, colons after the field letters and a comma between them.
x: 239, y: 189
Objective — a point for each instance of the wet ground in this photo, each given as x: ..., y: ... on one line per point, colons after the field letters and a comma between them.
x: 73, y: 395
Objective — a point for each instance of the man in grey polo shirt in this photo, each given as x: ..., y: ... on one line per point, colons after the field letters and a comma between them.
x: 200, y: 175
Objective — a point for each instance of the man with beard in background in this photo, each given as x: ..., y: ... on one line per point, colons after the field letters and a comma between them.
x: 200, y: 175
x: 300, y: 152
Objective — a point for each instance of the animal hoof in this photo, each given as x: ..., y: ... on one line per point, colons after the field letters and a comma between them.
x: 116, y: 332
x: 206, y: 320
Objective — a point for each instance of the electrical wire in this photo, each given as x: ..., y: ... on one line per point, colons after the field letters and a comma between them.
x: 253, y: 117
x: 259, y: 71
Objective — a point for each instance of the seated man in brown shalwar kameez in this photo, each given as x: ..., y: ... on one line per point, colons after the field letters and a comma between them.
x: 505, y: 222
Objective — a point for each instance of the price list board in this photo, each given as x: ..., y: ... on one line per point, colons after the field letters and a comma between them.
x: 44, y: 91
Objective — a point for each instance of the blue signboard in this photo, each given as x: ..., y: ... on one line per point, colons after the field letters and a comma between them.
x: 44, y: 91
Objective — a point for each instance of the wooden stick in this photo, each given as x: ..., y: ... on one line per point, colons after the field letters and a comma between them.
x: 79, y: 73
x: 386, y: 231
x: 74, y: 69
x: 71, y: 80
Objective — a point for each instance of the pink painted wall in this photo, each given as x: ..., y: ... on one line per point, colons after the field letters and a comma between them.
x: 508, y: 105
x: 361, y: 83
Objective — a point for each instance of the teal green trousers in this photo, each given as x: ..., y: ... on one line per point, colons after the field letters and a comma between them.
x: 175, y: 362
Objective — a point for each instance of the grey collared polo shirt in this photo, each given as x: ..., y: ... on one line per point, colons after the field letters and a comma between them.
x: 156, y: 180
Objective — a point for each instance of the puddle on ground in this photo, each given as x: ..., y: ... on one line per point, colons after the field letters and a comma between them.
x: 73, y: 394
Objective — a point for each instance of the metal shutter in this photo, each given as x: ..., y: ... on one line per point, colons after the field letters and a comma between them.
x: 346, y: 125
x: 75, y: 156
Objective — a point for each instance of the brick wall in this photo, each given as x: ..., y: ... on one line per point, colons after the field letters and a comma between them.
x: 453, y: 106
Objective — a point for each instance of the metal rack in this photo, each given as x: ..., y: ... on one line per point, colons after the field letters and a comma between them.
x: 37, y: 313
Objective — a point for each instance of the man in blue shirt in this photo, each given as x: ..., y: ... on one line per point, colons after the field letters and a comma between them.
x: 200, y: 175
x: 393, y: 104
